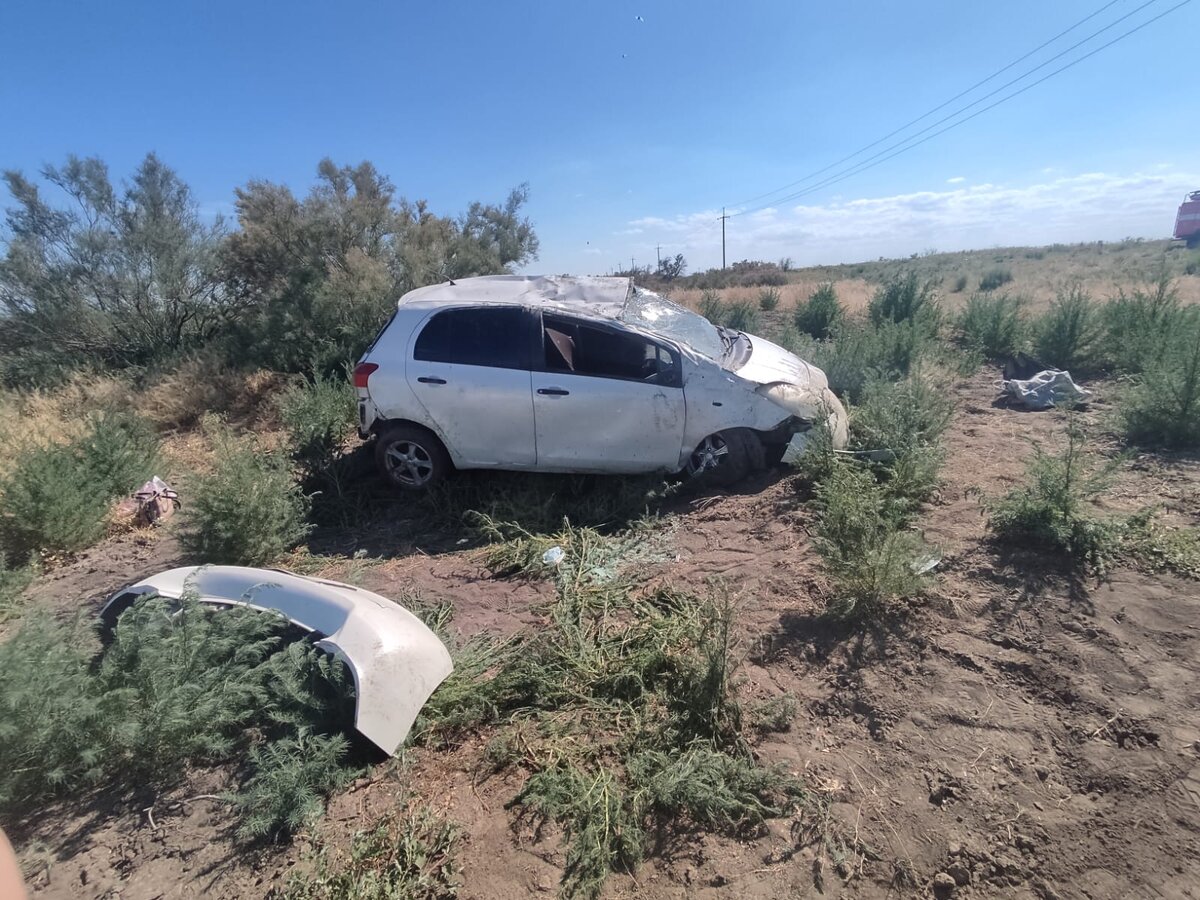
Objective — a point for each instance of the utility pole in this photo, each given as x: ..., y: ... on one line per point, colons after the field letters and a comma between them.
x: 723, y: 218
x: 658, y: 250
x: 631, y: 266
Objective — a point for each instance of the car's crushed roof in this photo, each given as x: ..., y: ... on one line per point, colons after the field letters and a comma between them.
x: 594, y: 294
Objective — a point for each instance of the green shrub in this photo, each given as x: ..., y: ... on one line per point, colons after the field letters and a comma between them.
x: 1192, y: 266
x: 712, y: 307
x: 741, y: 316
x: 995, y: 278
x: 1067, y: 336
x: 960, y: 285
x: 903, y: 298
x: 13, y: 581
x: 178, y: 685
x: 821, y: 313
x: 56, y: 499
x: 317, y: 417
x: 993, y: 325
x: 249, y: 510
x: 1052, y: 510
x: 1140, y: 324
x: 291, y: 778
x: 399, y: 858
x: 768, y: 299
x: 1162, y: 408
x: 906, y: 420
x: 859, y: 353
x: 871, y: 562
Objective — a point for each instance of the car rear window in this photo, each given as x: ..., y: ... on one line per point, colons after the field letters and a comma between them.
x: 476, y: 337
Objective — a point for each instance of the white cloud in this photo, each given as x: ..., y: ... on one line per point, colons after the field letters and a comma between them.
x: 1069, y: 208
x: 957, y: 179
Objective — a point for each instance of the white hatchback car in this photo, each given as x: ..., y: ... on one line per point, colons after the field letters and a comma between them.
x: 562, y: 374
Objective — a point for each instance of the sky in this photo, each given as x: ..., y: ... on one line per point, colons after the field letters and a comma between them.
x: 636, y: 121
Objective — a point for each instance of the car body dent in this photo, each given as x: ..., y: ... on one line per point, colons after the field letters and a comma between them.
x: 396, y: 660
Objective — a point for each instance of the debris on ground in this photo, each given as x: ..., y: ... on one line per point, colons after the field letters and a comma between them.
x: 1046, y: 389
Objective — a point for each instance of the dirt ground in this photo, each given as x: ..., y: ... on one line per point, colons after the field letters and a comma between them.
x: 1022, y: 732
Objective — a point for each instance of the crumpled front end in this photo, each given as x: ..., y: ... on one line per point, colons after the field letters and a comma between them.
x: 814, y: 403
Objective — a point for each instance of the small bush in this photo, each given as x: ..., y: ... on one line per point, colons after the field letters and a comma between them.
x: 741, y: 316
x: 712, y: 307
x: 56, y: 499
x: 858, y: 353
x: 1140, y: 324
x: 1192, y: 266
x: 1052, y: 510
x: 960, y: 285
x: 248, y: 510
x: 401, y: 858
x: 871, y: 562
x: 768, y: 299
x: 903, y: 298
x: 291, y: 778
x: 994, y: 278
x: 993, y: 325
x: 905, y: 420
x: 13, y: 581
x: 1162, y: 408
x: 820, y: 314
x: 318, y: 416
x: 1067, y: 336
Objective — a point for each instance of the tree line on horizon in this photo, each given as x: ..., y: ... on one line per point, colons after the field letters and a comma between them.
x: 104, y: 276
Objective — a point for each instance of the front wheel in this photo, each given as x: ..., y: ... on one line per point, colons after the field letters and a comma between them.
x: 726, y: 457
x: 411, y: 458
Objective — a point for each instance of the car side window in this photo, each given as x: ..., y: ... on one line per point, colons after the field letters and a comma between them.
x: 583, y: 349
x: 479, y: 336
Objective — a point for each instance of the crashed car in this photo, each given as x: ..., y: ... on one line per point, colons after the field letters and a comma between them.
x: 578, y: 374
x: 396, y: 661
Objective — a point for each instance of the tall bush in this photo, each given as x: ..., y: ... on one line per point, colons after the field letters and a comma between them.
x: 992, y: 324
x: 820, y: 313
x: 1067, y: 335
x: 1162, y: 407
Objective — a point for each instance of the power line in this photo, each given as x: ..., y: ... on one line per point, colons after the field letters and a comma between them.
x: 868, y: 164
x: 963, y: 93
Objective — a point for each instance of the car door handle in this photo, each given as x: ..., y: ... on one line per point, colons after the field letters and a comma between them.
x: 424, y: 379
x: 553, y: 392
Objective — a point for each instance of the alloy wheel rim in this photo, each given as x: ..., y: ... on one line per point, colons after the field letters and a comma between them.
x: 409, y: 463
x: 711, y: 453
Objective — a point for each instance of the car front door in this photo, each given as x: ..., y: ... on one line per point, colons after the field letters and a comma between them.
x: 470, y: 368
x: 605, y: 399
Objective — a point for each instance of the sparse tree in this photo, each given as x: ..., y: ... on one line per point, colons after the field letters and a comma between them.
x: 672, y: 267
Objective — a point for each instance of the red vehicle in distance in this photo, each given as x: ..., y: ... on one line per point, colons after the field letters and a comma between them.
x: 1187, y: 222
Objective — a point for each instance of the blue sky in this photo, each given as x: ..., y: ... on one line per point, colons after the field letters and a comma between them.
x: 631, y: 132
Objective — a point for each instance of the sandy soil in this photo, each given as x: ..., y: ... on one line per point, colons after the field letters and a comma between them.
x: 1022, y: 732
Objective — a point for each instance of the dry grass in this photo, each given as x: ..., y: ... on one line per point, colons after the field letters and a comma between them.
x: 1038, y: 274
x: 205, y: 383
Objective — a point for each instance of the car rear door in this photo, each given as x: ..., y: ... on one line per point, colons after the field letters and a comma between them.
x: 470, y: 368
x: 606, y: 399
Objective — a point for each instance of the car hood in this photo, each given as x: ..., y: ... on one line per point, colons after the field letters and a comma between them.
x: 396, y: 660
x: 769, y: 364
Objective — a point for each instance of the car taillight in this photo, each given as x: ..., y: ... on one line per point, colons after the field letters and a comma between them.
x: 362, y: 372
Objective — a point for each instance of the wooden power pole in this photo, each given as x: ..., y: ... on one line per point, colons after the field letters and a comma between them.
x: 723, y: 218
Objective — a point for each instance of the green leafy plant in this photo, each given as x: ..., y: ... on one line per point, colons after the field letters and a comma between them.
x: 960, y: 285
x: 995, y: 278
x: 712, y: 307
x: 1067, y: 336
x: 13, y: 581
x: 768, y: 299
x: 1138, y: 325
x: 178, y: 685
x: 56, y: 499
x: 248, y: 510
x: 1053, y: 509
x: 904, y: 298
x: 1162, y: 407
x: 870, y: 560
x: 741, y: 316
x: 992, y: 324
x: 317, y: 416
x: 820, y: 313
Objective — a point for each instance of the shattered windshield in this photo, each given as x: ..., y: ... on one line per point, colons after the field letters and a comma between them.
x: 645, y: 309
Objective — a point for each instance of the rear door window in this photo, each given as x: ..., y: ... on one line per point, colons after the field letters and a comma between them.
x: 481, y: 336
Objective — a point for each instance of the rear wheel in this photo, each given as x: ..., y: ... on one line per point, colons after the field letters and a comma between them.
x: 411, y: 458
x: 726, y: 457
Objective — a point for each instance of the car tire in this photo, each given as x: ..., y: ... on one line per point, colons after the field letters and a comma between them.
x: 411, y: 458
x: 725, y: 458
